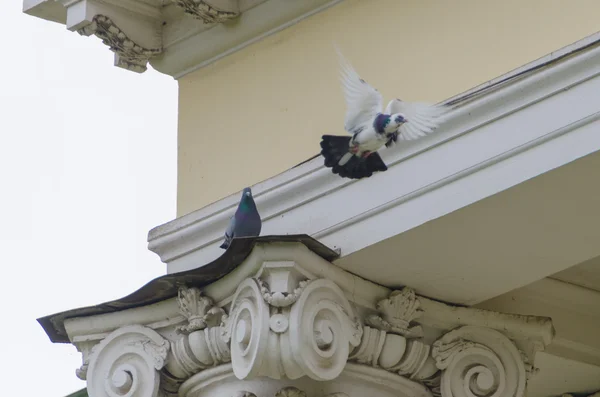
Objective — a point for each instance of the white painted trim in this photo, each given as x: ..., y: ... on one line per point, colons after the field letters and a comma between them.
x: 199, y: 46
x: 562, y: 302
x: 483, y: 146
x: 187, y: 44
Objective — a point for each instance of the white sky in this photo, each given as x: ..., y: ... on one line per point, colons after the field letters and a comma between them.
x: 87, y: 167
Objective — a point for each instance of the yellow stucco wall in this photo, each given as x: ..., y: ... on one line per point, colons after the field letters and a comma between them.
x: 263, y: 109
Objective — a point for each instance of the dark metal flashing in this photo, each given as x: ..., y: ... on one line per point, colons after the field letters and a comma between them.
x: 166, y: 287
x: 79, y: 393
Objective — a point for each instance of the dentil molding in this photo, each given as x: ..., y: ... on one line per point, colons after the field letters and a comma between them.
x: 288, y: 323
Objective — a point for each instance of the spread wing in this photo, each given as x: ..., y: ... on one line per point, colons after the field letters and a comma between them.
x: 423, y: 118
x: 363, y: 102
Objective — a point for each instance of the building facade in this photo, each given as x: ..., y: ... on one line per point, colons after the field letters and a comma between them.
x: 469, y: 268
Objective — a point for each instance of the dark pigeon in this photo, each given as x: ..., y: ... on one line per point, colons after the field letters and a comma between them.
x: 246, y: 220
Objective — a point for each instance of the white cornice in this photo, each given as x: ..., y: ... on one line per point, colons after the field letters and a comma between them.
x: 189, y: 52
x: 182, y: 34
x: 497, y: 136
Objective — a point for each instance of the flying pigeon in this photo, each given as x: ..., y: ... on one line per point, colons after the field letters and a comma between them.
x: 356, y: 156
x: 246, y: 220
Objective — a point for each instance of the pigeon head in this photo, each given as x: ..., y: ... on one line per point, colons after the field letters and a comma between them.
x: 247, y: 202
x: 399, y: 119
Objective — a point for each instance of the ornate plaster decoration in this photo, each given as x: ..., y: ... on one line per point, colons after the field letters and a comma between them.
x: 207, y: 11
x: 281, y: 328
x: 127, y: 363
x: 128, y: 55
x: 201, y: 346
x: 311, y: 338
x: 198, y: 309
x: 479, y: 361
x: 398, y: 311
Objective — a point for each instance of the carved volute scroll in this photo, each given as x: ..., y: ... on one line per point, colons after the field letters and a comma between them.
x: 308, y: 330
x: 479, y: 362
x: 127, y: 363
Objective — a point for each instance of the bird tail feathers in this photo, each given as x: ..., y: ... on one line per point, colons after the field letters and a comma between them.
x: 335, y: 151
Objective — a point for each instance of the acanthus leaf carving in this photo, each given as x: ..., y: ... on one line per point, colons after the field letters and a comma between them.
x: 398, y: 311
x: 128, y: 55
x: 198, y: 309
x: 202, y: 345
x: 206, y: 11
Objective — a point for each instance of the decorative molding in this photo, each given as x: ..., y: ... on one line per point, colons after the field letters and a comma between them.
x: 318, y: 330
x: 399, y: 310
x: 297, y: 320
x: 190, y: 30
x: 207, y: 11
x: 198, y: 309
x: 479, y: 361
x: 495, y: 116
x: 127, y: 362
x: 128, y: 55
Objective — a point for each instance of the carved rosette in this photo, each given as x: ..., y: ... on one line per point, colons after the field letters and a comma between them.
x: 128, y: 55
x: 206, y: 10
x: 313, y: 337
x: 127, y: 363
x: 479, y: 362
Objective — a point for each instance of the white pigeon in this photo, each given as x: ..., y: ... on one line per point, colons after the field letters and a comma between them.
x: 356, y: 157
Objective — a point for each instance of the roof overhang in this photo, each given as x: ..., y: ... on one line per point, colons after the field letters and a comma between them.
x: 174, y: 36
x: 460, y: 216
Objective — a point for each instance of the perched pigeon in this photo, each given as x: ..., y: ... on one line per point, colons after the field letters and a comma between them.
x: 246, y: 220
x: 356, y: 156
